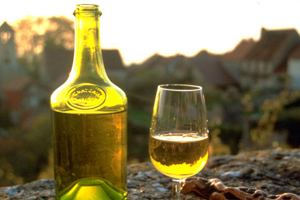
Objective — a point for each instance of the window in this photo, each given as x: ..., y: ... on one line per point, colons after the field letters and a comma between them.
x: 5, y: 36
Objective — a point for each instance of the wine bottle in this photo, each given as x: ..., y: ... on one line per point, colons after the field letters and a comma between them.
x: 89, y: 121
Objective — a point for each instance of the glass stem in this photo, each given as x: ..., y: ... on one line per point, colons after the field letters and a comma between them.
x: 176, y: 188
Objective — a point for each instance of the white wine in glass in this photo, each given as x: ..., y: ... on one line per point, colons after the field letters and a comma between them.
x: 178, y: 144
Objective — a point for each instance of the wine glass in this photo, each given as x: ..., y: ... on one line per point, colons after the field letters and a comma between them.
x: 178, y: 143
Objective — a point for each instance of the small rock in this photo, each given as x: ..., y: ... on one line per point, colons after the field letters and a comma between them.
x: 230, y: 175
x: 13, y: 190
x: 162, y: 189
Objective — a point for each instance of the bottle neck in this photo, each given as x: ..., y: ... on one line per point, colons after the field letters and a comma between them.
x: 88, y: 61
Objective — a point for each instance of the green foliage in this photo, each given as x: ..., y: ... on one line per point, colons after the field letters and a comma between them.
x: 212, y: 96
x: 24, y: 154
x: 217, y: 147
x: 138, y: 135
x: 268, y: 111
x: 289, y: 120
x: 266, y: 125
x: 231, y: 136
x: 140, y: 116
x: 7, y: 174
x: 4, y: 117
x: 39, y: 137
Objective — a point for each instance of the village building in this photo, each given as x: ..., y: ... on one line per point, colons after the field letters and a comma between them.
x: 210, y: 67
x: 58, y: 63
x: 9, y: 66
x: 232, y: 60
x: 20, y: 94
x: 23, y: 95
x: 293, y: 68
x: 267, y: 60
x: 266, y: 63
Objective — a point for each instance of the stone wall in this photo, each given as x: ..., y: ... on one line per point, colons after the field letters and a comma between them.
x: 273, y: 172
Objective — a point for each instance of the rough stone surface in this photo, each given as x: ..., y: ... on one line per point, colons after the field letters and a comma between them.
x: 274, y: 172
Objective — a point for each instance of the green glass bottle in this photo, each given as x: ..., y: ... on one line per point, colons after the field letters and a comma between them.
x: 89, y: 122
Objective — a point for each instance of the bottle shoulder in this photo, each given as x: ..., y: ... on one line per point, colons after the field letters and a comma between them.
x: 96, y: 97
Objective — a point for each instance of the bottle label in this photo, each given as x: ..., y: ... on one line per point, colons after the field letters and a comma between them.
x: 86, y: 96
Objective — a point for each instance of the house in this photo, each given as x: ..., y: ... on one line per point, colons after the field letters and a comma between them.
x: 58, y: 63
x: 114, y: 65
x: 22, y: 96
x: 152, y: 61
x: 232, y: 60
x: 176, y: 68
x: 293, y: 68
x: 163, y: 64
x: 200, y: 69
x: 9, y: 66
x: 212, y: 69
x: 268, y: 57
x: 13, y: 80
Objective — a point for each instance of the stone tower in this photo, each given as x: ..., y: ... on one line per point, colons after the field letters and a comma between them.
x: 8, y: 59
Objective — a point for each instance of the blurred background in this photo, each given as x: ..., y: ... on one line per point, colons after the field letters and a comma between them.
x: 245, y: 54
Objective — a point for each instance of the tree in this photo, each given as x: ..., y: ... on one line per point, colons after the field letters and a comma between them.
x: 33, y: 34
x: 60, y: 33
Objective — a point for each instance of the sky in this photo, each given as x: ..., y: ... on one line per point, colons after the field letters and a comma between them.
x: 141, y: 28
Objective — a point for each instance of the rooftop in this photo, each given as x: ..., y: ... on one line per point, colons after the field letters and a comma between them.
x: 270, y: 42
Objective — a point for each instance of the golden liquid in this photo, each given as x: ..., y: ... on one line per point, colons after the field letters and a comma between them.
x: 178, y: 155
x: 90, y: 156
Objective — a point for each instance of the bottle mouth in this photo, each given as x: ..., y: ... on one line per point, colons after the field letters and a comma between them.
x: 87, y: 8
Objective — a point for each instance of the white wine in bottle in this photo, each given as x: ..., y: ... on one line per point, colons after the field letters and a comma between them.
x: 89, y: 122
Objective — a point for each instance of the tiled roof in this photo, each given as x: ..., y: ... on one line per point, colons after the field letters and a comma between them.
x: 207, y: 64
x: 152, y: 61
x: 112, y: 59
x: 296, y: 53
x: 212, y: 69
x: 6, y: 27
x: 58, y: 63
x: 157, y: 61
x: 240, y: 51
x: 270, y: 42
x: 282, y: 68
